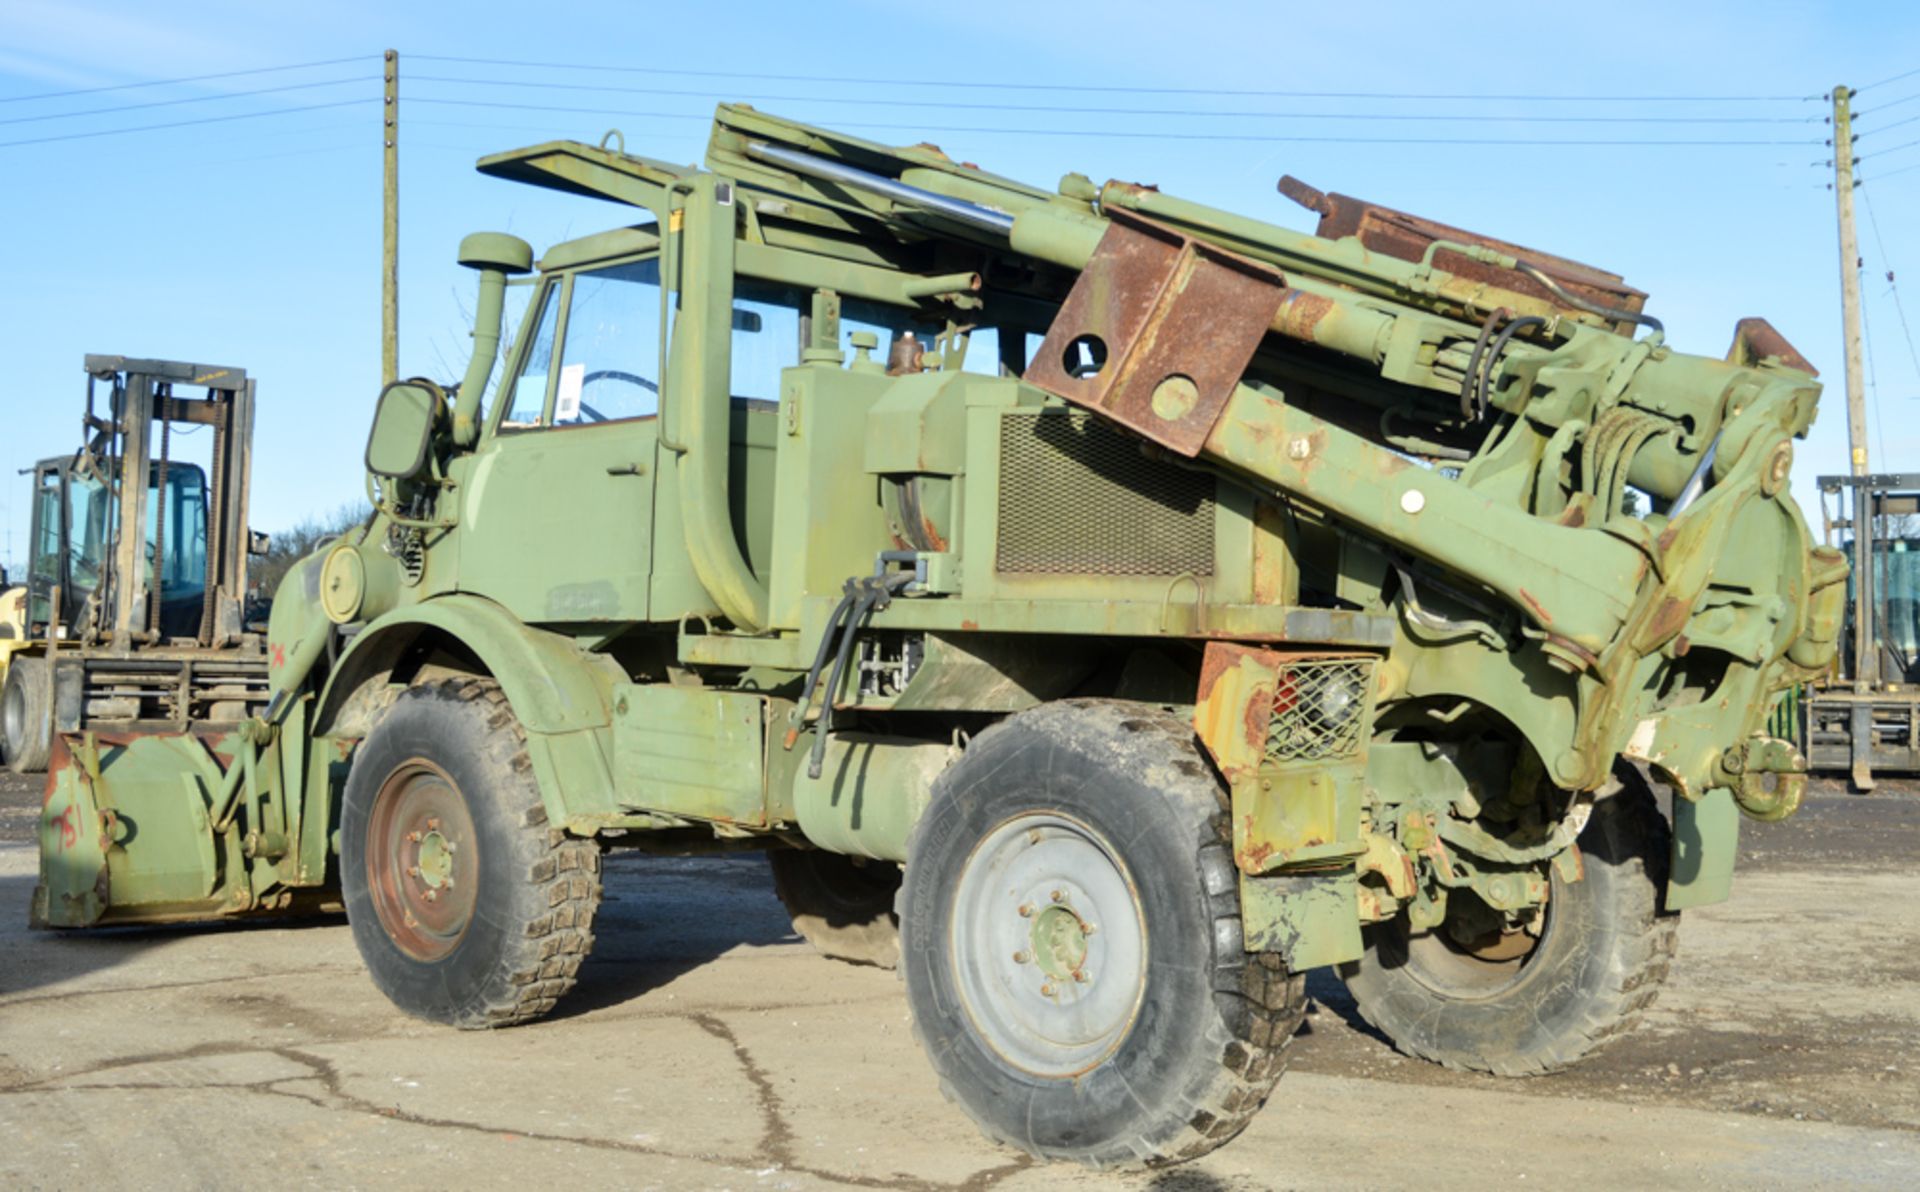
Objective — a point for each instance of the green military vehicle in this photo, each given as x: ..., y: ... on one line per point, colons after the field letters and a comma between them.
x: 1105, y: 607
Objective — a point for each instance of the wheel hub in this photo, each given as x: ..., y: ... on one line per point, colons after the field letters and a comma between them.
x: 421, y: 875
x: 1060, y: 943
x: 1049, y: 945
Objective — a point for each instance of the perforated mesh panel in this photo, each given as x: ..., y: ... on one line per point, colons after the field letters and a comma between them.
x: 1319, y: 709
x: 1079, y: 497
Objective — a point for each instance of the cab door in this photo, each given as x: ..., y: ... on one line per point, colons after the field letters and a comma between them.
x: 557, y: 515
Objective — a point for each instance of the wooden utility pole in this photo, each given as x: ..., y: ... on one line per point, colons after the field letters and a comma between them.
x: 390, y: 226
x: 1866, y: 652
x: 1849, y: 277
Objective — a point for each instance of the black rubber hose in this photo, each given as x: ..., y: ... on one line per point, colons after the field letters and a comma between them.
x: 1619, y: 314
x: 1469, y: 388
x: 878, y: 593
x: 1481, y: 393
x: 820, y: 660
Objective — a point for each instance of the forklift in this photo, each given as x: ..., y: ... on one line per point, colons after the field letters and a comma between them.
x: 133, y: 614
x: 1866, y: 716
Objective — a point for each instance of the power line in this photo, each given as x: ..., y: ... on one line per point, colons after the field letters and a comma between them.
x: 168, y: 103
x: 1894, y: 79
x: 1131, y: 89
x: 1893, y: 287
x: 1889, y: 104
x: 109, y: 132
x: 1125, y: 134
x: 1885, y: 127
x: 1891, y: 149
x: 1902, y: 170
x: 1088, y: 111
x: 226, y: 74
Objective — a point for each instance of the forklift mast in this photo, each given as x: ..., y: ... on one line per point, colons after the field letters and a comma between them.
x: 132, y: 445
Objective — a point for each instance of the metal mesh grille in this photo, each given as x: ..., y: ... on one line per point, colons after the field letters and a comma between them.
x: 1078, y: 497
x: 1319, y: 709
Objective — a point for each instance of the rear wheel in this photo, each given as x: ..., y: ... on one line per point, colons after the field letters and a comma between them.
x: 841, y: 905
x: 26, y: 716
x: 467, y: 906
x: 1519, y: 1004
x: 1071, y: 942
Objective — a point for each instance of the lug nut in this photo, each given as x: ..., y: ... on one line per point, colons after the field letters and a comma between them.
x: 1033, y: 836
x: 413, y: 871
x: 1080, y: 975
x: 1026, y: 910
x: 433, y: 895
x: 1059, y: 895
x: 1046, y: 991
x: 413, y: 837
x: 1021, y: 957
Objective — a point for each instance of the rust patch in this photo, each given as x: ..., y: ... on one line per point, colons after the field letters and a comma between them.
x: 1755, y: 339
x: 1539, y: 609
x: 1573, y: 516
x: 1258, y: 714
x: 1253, y: 856
x: 1666, y: 621
x: 969, y: 623
x: 1300, y: 313
x: 1176, y: 320
x: 1408, y: 237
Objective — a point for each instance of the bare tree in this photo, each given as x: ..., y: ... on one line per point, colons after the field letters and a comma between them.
x: 299, y: 540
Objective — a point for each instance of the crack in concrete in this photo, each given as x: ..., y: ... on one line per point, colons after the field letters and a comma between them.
x: 775, y: 1148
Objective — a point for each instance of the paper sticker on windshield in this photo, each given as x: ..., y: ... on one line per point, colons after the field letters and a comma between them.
x: 566, y: 403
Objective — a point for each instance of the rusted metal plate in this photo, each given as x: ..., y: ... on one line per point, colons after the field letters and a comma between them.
x: 1400, y: 234
x: 1755, y: 339
x: 1157, y: 331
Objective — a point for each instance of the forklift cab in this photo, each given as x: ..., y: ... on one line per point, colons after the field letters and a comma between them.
x: 74, y: 506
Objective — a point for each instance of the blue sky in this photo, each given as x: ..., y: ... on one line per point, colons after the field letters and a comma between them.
x: 256, y: 241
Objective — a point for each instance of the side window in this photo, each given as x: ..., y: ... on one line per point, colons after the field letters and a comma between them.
x: 530, y: 388
x: 610, y: 365
x: 766, y: 338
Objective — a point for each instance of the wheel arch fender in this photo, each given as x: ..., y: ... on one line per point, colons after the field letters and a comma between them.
x: 560, y: 694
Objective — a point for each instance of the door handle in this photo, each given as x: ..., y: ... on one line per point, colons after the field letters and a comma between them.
x: 626, y: 469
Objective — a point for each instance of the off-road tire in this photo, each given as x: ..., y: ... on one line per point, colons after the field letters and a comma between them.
x: 532, y: 922
x: 1214, y: 1023
x: 1605, y: 951
x: 26, y: 720
x: 843, y: 908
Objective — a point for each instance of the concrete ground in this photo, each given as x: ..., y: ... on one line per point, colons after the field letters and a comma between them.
x: 707, y: 1048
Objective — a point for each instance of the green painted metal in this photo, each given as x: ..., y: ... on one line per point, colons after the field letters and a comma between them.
x: 1704, y: 835
x: 876, y: 397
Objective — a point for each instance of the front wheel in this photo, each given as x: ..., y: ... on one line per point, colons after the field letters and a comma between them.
x: 1071, y: 942
x: 1518, y: 1005
x: 466, y: 905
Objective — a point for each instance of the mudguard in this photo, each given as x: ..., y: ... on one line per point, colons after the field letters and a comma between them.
x: 559, y: 692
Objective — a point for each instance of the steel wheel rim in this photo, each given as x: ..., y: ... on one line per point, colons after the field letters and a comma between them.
x: 1049, y: 945
x: 423, y: 866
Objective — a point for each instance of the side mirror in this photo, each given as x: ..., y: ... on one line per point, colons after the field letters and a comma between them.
x: 259, y: 544
x: 402, y: 429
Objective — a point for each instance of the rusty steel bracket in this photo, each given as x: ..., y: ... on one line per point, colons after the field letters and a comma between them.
x: 1159, y: 328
